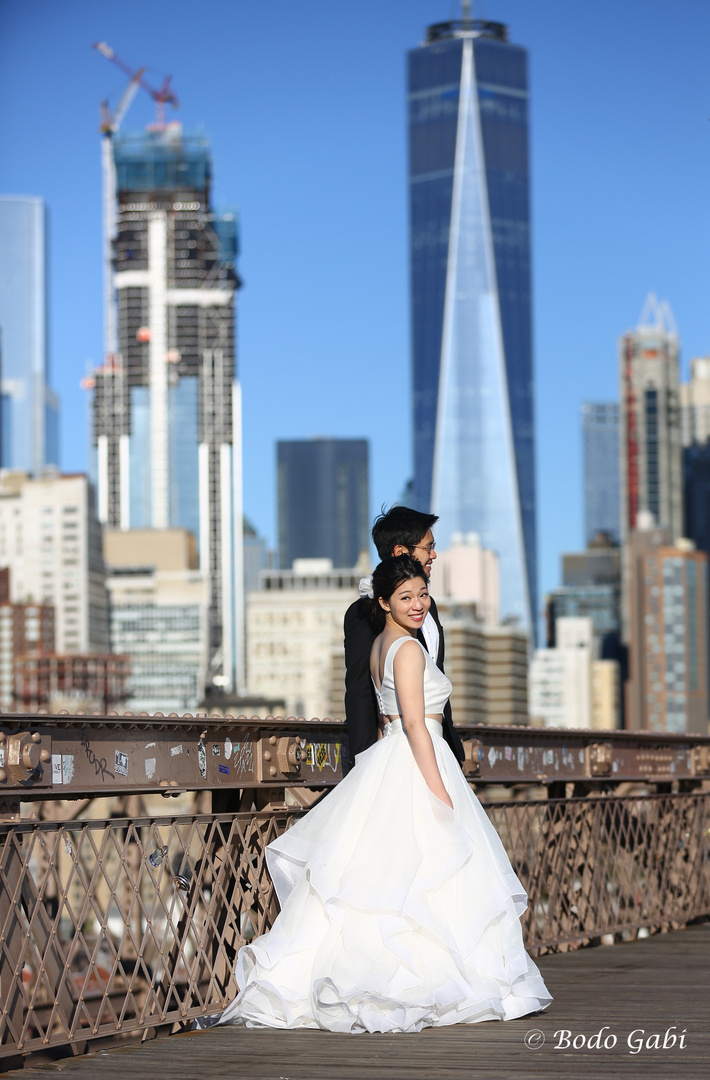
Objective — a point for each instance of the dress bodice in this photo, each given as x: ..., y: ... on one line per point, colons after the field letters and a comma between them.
x: 437, y: 688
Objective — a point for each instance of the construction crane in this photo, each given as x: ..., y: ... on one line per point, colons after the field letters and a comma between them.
x: 162, y: 97
x: 110, y: 125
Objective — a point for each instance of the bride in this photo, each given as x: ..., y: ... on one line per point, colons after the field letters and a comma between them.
x: 399, y: 907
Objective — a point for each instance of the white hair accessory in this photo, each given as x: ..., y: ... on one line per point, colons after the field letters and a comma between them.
x: 365, y: 587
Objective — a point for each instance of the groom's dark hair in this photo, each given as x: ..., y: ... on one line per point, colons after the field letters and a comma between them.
x: 400, y: 525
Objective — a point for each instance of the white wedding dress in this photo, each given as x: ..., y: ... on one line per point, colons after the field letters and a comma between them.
x: 397, y: 913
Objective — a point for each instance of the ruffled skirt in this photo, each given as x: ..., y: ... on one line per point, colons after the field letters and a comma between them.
x: 397, y: 913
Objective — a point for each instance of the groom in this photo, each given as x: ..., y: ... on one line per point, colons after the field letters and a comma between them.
x: 398, y: 531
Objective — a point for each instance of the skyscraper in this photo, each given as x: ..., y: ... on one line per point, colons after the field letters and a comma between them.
x: 668, y: 601
x: 569, y: 687
x: 600, y: 447
x: 166, y: 408
x: 696, y: 495
x: 29, y: 418
x: 695, y: 420
x: 295, y: 641
x: 695, y: 403
x: 650, y: 421
x: 51, y: 541
x: 323, y: 500
x: 159, y: 617
x: 471, y: 306
x: 591, y: 588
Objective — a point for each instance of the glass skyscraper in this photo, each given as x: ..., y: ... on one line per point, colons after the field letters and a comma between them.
x: 696, y: 495
x: 323, y: 500
x: 29, y: 416
x: 471, y: 306
x: 600, y: 445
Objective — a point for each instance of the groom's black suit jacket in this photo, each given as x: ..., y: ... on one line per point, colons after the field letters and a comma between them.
x: 360, y: 703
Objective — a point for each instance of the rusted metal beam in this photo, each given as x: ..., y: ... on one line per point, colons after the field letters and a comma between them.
x: 45, y: 757
x: 514, y: 755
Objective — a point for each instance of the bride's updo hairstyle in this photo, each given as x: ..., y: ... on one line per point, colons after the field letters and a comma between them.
x: 387, y: 577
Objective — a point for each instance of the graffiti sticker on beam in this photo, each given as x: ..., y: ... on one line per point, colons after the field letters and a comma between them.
x: 318, y: 755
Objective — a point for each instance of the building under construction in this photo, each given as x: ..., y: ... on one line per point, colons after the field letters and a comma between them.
x: 166, y: 404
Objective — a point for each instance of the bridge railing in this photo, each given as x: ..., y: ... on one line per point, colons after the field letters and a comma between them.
x: 129, y: 923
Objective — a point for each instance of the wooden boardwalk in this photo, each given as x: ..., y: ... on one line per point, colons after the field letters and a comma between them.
x: 638, y: 991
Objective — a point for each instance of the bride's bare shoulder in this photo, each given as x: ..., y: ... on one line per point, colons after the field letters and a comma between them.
x: 407, y: 658
x: 383, y: 645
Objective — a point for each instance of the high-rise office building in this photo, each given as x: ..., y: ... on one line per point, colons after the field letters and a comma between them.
x: 51, y: 541
x: 467, y: 577
x: 601, y: 604
x: 166, y: 407
x: 323, y: 500
x: 590, y: 597
x: 696, y: 495
x: 257, y: 556
x: 650, y: 421
x: 695, y: 422
x: 668, y: 662
x: 159, y: 617
x: 591, y: 588
x: 600, y: 451
x: 568, y: 686
x: 599, y: 564
x: 474, y: 451
x: 695, y: 403
x: 561, y: 677
x: 488, y: 667
x: 29, y: 413
x: 295, y: 642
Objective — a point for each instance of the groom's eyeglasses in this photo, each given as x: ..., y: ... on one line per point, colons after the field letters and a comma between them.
x: 425, y: 547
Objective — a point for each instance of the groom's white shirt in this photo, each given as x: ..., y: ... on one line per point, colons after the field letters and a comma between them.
x: 431, y: 635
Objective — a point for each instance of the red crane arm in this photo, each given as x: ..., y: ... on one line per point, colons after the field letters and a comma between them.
x: 162, y: 96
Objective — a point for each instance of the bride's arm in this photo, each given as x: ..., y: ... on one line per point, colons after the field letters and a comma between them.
x: 409, y: 682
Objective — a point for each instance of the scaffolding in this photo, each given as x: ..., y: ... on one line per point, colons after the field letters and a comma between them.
x: 174, y: 277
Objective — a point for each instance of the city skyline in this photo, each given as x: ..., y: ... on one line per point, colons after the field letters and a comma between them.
x: 595, y: 256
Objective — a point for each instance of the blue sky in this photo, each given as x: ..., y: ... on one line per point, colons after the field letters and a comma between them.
x: 305, y: 105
